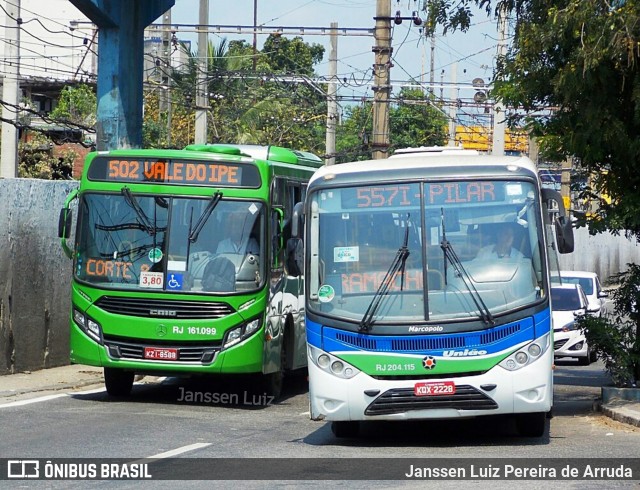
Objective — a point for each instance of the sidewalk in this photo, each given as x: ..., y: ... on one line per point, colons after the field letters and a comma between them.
x: 15, y: 387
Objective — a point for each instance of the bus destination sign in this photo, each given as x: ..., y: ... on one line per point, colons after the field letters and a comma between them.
x: 166, y: 171
x: 408, y: 195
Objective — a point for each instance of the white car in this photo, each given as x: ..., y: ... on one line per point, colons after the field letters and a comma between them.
x: 590, y: 285
x: 568, y: 302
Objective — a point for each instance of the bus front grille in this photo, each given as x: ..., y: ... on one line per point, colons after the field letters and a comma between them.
x: 161, y: 308
x: 399, y: 400
x: 202, y: 352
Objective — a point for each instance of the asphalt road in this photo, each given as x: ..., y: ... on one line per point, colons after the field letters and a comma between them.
x: 160, y: 420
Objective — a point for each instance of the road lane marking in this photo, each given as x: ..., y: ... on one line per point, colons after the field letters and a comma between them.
x: 180, y: 450
x: 32, y: 400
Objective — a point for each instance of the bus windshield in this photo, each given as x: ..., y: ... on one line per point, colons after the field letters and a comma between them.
x: 434, y: 251
x: 170, y: 243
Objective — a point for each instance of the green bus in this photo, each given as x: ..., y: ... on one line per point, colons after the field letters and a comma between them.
x: 178, y: 263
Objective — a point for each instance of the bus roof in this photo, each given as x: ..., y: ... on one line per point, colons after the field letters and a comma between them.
x: 460, y: 162
x: 433, y: 150
x: 257, y: 152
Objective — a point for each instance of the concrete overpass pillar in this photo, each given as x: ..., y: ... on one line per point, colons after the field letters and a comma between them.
x: 121, y: 25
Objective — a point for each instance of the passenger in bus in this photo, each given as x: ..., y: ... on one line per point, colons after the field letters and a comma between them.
x: 503, y: 247
x: 239, y: 239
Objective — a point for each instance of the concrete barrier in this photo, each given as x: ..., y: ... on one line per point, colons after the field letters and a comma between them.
x: 35, y: 276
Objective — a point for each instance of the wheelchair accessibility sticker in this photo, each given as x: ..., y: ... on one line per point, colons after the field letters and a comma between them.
x: 174, y: 281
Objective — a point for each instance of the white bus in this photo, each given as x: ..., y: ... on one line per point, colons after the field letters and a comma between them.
x: 427, y: 288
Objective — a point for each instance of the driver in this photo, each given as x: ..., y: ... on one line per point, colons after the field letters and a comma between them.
x: 503, y: 248
x: 238, y: 239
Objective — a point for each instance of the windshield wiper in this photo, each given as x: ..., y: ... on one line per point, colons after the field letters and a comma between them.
x: 193, y: 234
x: 130, y: 199
x: 451, y: 255
x: 398, y: 264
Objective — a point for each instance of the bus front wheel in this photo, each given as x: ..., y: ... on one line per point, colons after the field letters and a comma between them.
x: 345, y: 428
x: 531, y: 424
x: 118, y: 382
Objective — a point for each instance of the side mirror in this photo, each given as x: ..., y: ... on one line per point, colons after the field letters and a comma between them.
x: 295, y: 257
x: 64, y: 223
x: 297, y: 220
x: 562, y: 223
x: 564, y: 235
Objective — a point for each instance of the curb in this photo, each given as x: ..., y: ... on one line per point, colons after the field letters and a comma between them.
x: 621, y: 413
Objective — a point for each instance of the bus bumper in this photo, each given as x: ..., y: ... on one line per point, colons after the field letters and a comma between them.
x: 243, y: 358
x: 498, y: 391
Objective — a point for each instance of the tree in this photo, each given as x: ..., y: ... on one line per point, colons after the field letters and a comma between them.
x: 414, y: 120
x: 292, y: 55
x: 76, y: 105
x: 261, y: 106
x: 36, y: 160
x: 571, y: 75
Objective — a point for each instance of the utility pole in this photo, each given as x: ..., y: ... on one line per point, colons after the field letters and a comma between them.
x: 202, y: 98
x: 453, y: 109
x: 332, y: 103
x: 10, y: 88
x: 167, y: 39
x: 497, y: 148
x: 381, y: 80
x: 255, y: 34
x: 433, y: 62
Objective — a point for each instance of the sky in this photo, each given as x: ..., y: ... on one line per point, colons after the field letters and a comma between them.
x: 461, y: 56
x: 50, y: 48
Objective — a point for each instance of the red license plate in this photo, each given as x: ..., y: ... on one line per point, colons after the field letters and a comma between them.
x: 160, y: 354
x: 435, y: 388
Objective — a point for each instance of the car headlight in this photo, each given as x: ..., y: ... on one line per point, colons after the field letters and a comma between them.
x: 527, y: 354
x: 238, y: 334
x: 331, y: 364
x: 88, y: 325
x: 569, y: 327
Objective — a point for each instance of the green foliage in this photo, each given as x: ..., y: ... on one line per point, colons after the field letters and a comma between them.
x: 416, y: 121
x: 616, y: 337
x: 292, y: 55
x: 246, y: 105
x: 36, y: 160
x: 263, y: 106
x: 77, y: 105
x: 352, y: 136
x: 572, y: 76
x: 413, y: 121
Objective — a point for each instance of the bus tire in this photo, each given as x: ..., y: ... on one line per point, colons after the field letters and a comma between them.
x: 531, y: 424
x: 273, y: 383
x: 345, y: 428
x: 118, y: 382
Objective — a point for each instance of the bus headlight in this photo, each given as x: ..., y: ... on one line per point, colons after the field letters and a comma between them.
x: 238, y: 334
x: 88, y: 325
x: 527, y: 354
x: 331, y: 364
